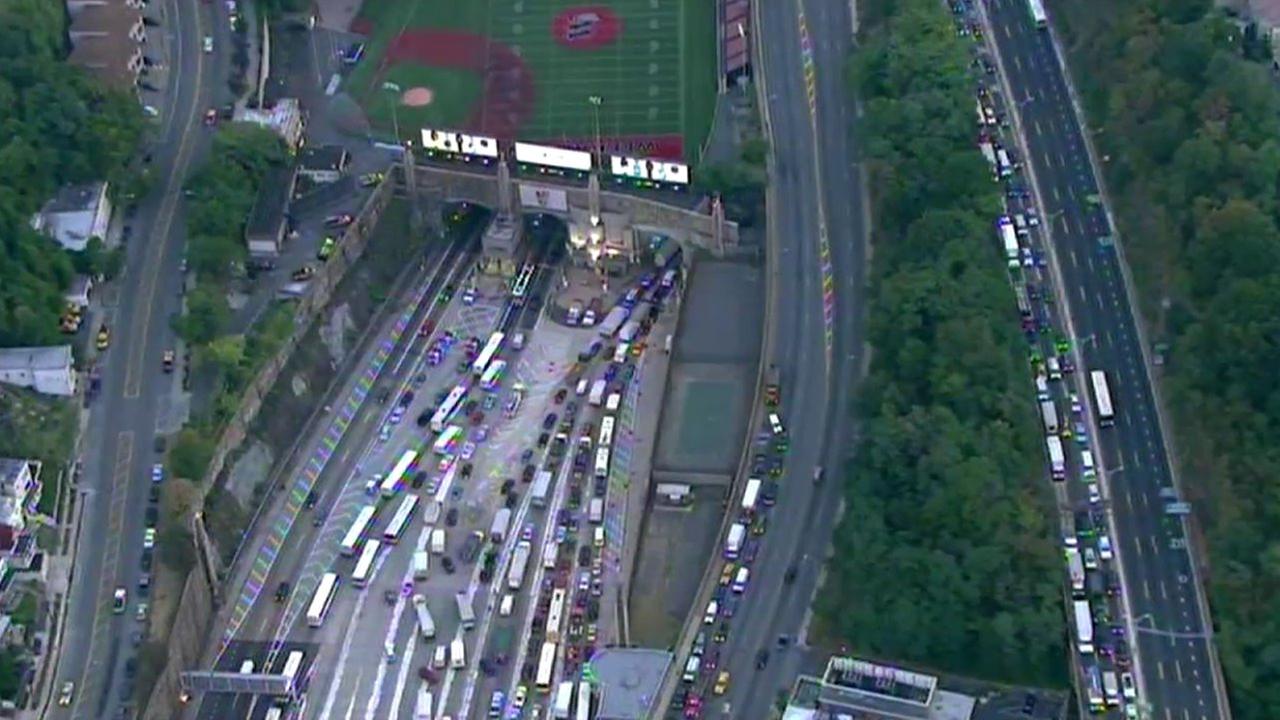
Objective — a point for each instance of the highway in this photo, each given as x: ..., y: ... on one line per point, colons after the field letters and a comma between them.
x: 817, y: 190
x: 118, y: 450
x: 1178, y: 678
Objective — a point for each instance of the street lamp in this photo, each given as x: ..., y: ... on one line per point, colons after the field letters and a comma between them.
x: 395, y: 121
x: 596, y: 101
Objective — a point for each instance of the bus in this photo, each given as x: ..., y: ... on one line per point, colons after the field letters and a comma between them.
x: 1106, y: 413
x: 364, y: 566
x: 606, y: 431
x: 357, y: 530
x: 492, y: 377
x: 447, y: 442
x: 450, y: 405
x: 602, y: 462
x: 292, y: 664
x: 488, y: 353
x: 555, y: 614
x: 584, y: 700
x: 401, y: 519
x: 1037, y: 13
x: 274, y: 713
x: 392, y: 481
x: 520, y: 286
x: 322, y: 600
x: 546, y: 666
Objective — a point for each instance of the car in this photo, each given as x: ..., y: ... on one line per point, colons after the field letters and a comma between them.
x: 722, y: 683
x: 208, y: 43
x: 282, y: 591
x: 397, y: 414
x: 119, y: 600
x: 1076, y: 407
x: 340, y: 221
x: 468, y: 450
x: 302, y: 274
x: 157, y: 472
x: 713, y: 609
x: 371, y: 179
x: 762, y: 659
x: 549, y: 421
x: 1095, y: 496
x: 327, y: 246
x: 469, y: 296
x: 1104, y: 547
x: 448, y: 565
x: 1090, y: 559
x: 384, y: 434
x: 141, y: 613
x: 104, y: 337
x: 451, y: 517
x: 561, y: 394
x: 64, y: 695
x: 481, y: 434
x: 1029, y: 704
x: 148, y: 538
x: 167, y: 360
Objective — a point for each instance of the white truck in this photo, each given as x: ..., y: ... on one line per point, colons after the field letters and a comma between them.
x: 431, y: 515
x: 541, y: 488
x: 421, y: 564
x: 1084, y: 627
x: 733, y: 543
x: 550, y: 551
x: 1049, y: 414
x: 595, y: 511
x: 501, y: 521
x: 1075, y: 568
x: 519, y: 562
x: 563, y: 701
x: 437, y: 541
x: 1057, y: 460
x: 466, y: 614
x: 597, y: 392
x: 457, y: 653
x: 426, y: 625
x: 423, y: 707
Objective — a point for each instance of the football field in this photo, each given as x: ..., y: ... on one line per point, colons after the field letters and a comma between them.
x: 638, y: 74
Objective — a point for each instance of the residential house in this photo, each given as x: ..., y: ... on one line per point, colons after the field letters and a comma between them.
x: 283, y: 118
x: 107, y: 38
x: 19, y: 496
x: 75, y: 214
x: 324, y: 164
x: 49, y: 370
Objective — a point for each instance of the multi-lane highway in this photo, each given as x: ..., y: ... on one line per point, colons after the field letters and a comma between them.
x: 119, y: 444
x: 1178, y: 674
x: 819, y: 200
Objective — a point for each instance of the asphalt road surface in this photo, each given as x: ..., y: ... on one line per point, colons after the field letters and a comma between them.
x: 815, y: 183
x: 119, y: 444
x: 1173, y: 643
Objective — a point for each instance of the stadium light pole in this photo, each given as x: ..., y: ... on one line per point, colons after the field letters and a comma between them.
x: 394, y: 89
x: 596, y: 101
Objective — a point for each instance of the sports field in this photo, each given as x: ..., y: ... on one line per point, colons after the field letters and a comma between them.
x: 639, y: 73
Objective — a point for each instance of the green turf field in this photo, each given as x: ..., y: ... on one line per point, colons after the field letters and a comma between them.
x: 657, y: 78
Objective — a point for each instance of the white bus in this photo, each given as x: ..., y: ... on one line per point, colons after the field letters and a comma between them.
x: 1037, y: 13
x: 446, y: 442
x: 492, y: 376
x: 602, y: 462
x: 322, y: 600
x: 364, y: 566
x: 541, y: 488
x: 292, y: 665
x: 451, y: 403
x: 401, y: 519
x: 750, y: 495
x: 357, y: 530
x: 606, y: 431
x: 584, y: 700
x: 487, y: 353
x: 546, y: 666
x: 392, y: 482
x: 1106, y: 413
x: 555, y: 615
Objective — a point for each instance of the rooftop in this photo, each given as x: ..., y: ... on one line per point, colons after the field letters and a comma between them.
x: 106, y: 39
x: 324, y: 157
x: 629, y: 679
x: 867, y: 691
x: 53, y: 357
x: 76, y: 198
x: 10, y: 469
x: 267, y: 216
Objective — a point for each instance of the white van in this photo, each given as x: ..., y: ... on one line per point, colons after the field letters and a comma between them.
x: 437, y: 541
x: 691, y: 669
x: 457, y: 654
x: 612, y: 403
x: 1055, y: 370
x: 599, y: 537
x: 517, y: 341
x: 1086, y: 463
x: 508, y: 604
x: 441, y: 657
x: 581, y: 389
x: 740, y: 580
x: 421, y: 564
x: 620, y: 352
x: 246, y: 667
x: 575, y: 312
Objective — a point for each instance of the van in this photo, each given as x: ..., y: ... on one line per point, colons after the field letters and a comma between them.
x: 575, y: 312
x: 612, y: 403
x: 517, y: 341
x: 421, y: 564
x: 620, y: 352
x: 1055, y: 370
x: 740, y: 580
x: 691, y: 669
x: 1086, y: 463
x: 457, y: 654
x: 581, y: 389
x: 508, y: 604
x: 441, y: 657
x: 246, y: 667
x: 1020, y: 223
x: 599, y: 537
x: 1042, y: 388
x: 437, y: 541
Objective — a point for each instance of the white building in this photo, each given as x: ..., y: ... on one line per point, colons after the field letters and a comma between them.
x: 284, y: 119
x: 75, y: 214
x: 49, y: 370
x: 323, y: 164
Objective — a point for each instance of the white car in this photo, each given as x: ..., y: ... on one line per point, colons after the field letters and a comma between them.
x: 468, y: 450
x: 1126, y: 684
x: 372, y: 484
x: 64, y: 696
x: 713, y: 609
x: 1104, y: 547
x: 397, y: 414
x: 1090, y: 559
x: 1095, y: 495
x: 384, y: 434
x: 119, y: 600
x: 157, y: 472
x: 148, y: 538
x: 1076, y: 407
x: 208, y: 43
x: 518, y: 698
x: 469, y: 296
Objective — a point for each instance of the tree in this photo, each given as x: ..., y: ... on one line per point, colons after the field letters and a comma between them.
x: 191, y: 453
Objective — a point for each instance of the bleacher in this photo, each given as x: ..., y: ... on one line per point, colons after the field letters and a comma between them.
x: 735, y: 40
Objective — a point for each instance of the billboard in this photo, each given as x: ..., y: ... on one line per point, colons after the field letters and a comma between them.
x: 644, y: 169
x: 440, y: 140
x: 541, y: 197
x: 480, y: 145
x: 553, y: 157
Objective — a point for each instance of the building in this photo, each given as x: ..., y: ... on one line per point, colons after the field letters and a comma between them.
x: 49, y: 370
x: 75, y: 214
x: 627, y: 681
x: 78, y: 293
x: 268, y: 223
x: 859, y: 689
x: 19, y: 496
x: 324, y: 164
x: 107, y: 38
x: 284, y: 119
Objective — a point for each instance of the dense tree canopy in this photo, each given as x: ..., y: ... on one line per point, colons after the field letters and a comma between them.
x: 56, y: 127
x: 1188, y: 113
x: 946, y: 554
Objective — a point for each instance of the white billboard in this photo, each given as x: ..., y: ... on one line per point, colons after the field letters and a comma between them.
x: 479, y: 145
x: 628, y: 167
x: 541, y: 197
x: 553, y: 156
x: 655, y: 170
x: 668, y: 172
x: 441, y: 140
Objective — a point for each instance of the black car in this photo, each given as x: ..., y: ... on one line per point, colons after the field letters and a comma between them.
x: 419, y: 478
x: 507, y: 486
x: 447, y: 562
x: 549, y: 421
x: 424, y: 418
x: 467, y: 469
x: 762, y: 659
x: 511, y: 500
x: 153, y: 495
x: 312, y: 498
x: 543, y: 439
x: 152, y: 514
x: 526, y: 475
x: 282, y: 592
x: 406, y: 398
x: 131, y: 668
